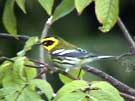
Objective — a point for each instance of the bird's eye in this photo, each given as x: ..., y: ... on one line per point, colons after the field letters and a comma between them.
x: 48, y: 43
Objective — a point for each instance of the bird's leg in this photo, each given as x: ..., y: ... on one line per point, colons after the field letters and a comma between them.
x: 79, y: 73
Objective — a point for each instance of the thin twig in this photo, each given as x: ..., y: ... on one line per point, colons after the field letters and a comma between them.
x: 20, y: 38
x: 6, y: 58
x: 68, y: 75
x: 119, y: 85
x: 44, y: 70
x: 27, y: 65
x: 127, y: 35
x: 7, y: 36
x: 127, y: 96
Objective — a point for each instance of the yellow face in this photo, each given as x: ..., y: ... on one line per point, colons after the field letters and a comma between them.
x: 49, y: 43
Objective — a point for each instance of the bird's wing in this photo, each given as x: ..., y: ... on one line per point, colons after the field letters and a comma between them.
x: 78, y: 52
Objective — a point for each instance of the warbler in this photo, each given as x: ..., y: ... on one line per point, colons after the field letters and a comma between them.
x: 66, y: 56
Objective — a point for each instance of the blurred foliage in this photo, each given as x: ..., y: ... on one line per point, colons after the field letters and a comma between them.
x: 80, y: 30
x: 107, y: 12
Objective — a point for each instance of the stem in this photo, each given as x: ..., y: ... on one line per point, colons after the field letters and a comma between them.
x: 127, y: 35
x: 44, y: 34
x: 119, y: 85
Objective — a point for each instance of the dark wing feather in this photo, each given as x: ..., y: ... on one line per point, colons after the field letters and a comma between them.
x: 73, y: 53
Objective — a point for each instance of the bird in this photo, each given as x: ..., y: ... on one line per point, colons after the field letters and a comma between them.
x: 67, y: 56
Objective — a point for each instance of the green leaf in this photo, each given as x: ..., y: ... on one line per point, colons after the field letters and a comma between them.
x: 64, y: 8
x: 74, y: 73
x: 18, y: 66
x: 81, y: 5
x: 30, y: 42
x: 30, y: 73
x: 6, y: 96
x: 44, y: 86
x: 107, y: 12
x: 4, y: 68
x: 23, y: 93
x: 104, y: 92
x: 28, y: 45
x: 29, y: 94
x: 74, y: 96
x: 73, y: 86
x: 2, y: 94
x: 8, y: 77
x: 15, y: 74
x: 12, y: 80
x: 24, y: 72
x: 47, y: 5
x: 9, y: 19
x: 21, y: 4
x: 21, y: 53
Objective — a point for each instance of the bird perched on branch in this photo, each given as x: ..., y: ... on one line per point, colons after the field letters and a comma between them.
x: 66, y: 56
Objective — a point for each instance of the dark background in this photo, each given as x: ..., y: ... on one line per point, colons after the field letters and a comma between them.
x: 80, y: 30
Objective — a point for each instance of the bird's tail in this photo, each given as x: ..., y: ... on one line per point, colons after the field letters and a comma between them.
x: 94, y: 58
x: 104, y: 57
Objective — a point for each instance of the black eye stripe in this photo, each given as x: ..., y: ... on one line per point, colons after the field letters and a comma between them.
x: 48, y: 42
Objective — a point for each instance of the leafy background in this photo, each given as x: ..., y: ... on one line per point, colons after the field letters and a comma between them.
x: 79, y: 30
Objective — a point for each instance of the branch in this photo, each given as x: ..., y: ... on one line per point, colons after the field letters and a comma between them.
x: 119, y: 85
x: 127, y: 35
x: 127, y: 96
x: 7, y: 36
x: 44, y: 34
x: 41, y: 50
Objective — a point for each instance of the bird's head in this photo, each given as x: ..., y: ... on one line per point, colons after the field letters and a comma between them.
x: 51, y: 43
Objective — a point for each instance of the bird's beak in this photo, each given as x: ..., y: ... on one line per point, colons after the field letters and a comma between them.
x: 38, y: 43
